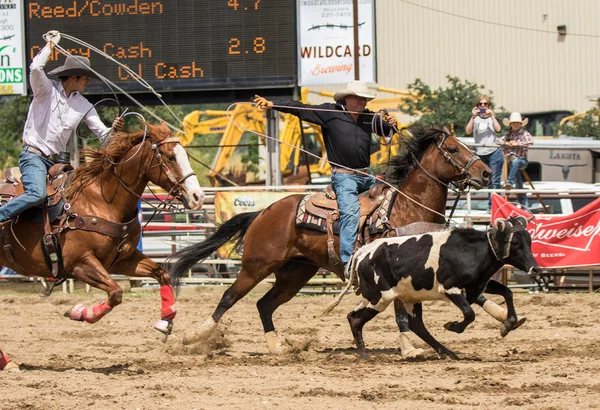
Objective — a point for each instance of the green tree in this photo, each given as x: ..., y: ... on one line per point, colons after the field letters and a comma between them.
x: 587, y: 125
x: 13, y: 113
x: 450, y: 106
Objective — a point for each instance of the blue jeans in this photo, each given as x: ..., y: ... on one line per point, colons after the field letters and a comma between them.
x: 495, y: 161
x: 34, y: 169
x: 515, y: 178
x: 347, y: 188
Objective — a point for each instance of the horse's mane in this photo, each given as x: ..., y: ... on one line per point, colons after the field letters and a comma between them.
x: 421, y: 138
x: 98, y: 160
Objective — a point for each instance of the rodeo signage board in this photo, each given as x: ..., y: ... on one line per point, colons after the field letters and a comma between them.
x: 12, y: 50
x: 326, y: 41
x: 230, y: 203
x: 561, y: 241
x: 175, y: 45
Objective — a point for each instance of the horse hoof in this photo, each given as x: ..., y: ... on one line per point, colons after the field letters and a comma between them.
x: 76, y: 313
x: 273, y: 343
x: 414, y: 354
x: 203, y: 332
x: 454, y: 327
x: 511, y: 324
x: 12, y: 367
x: 164, y: 328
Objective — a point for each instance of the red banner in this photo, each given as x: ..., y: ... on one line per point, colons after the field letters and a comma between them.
x: 563, y: 241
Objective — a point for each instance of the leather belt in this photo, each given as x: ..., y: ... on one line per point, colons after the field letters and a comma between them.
x: 359, y: 171
x: 37, y: 151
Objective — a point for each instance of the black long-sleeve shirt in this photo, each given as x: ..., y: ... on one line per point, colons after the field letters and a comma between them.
x: 347, y: 141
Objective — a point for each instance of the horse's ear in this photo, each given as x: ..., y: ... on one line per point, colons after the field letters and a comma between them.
x: 446, y: 130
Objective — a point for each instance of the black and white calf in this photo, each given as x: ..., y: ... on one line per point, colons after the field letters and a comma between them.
x: 451, y: 265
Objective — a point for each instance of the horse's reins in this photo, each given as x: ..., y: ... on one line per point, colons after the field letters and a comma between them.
x: 327, y: 160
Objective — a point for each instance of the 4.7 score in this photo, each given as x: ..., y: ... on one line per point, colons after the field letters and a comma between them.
x: 236, y: 4
x: 259, y: 46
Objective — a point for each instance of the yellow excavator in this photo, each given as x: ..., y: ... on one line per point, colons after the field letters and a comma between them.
x: 292, y: 160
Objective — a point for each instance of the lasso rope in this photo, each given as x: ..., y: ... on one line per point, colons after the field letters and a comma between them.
x: 323, y: 158
x: 111, y: 84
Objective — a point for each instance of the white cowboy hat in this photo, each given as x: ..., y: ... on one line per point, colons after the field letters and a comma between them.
x: 357, y: 88
x: 515, y: 117
x: 78, y: 66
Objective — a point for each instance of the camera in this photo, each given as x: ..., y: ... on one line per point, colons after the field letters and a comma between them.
x: 482, y: 110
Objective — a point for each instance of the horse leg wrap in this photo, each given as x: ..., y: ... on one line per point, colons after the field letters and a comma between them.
x: 169, y: 310
x: 4, y: 360
x: 407, y: 349
x: 495, y: 311
x: 95, y: 313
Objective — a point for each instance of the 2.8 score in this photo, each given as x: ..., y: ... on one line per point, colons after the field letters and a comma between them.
x: 234, y: 46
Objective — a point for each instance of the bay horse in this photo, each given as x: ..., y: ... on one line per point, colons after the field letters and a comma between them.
x: 274, y: 244
x: 101, y: 230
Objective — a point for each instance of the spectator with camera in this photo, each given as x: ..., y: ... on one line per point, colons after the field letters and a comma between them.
x: 515, y: 144
x: 484, y: 126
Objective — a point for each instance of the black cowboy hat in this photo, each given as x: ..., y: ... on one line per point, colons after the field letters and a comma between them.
x: 78, y: 66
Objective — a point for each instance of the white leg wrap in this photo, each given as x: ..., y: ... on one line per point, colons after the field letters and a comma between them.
x: 495, y: 311
x: 273, y: 342
x: 203, y: 332
x: 407, y: 349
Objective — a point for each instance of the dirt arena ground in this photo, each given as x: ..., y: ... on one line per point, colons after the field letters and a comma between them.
x: 552, y: 362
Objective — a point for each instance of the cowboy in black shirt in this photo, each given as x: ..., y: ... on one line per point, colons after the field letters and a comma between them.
x: 347, y: 128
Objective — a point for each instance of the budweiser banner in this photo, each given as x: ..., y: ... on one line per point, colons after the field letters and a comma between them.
x: 561, y: 241
x: 326, y: 41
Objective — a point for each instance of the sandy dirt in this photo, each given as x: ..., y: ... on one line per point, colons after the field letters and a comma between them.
x: 552, y: 362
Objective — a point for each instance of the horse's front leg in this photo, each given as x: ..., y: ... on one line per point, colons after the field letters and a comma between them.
x: 89, y: 270
x: 140, y: 265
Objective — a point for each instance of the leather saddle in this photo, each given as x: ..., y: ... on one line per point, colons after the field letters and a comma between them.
x: 324, y: 205
x: 12, y: 185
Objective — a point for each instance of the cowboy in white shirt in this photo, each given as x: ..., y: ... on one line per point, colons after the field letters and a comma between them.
x: 56, y: 110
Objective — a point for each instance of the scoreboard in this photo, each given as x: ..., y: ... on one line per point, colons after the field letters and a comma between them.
x: 175, y: 45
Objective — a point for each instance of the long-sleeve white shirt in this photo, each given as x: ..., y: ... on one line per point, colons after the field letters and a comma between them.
x: 52, y: 115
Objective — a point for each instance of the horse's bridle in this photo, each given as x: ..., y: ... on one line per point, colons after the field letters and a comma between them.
x: 464, y: 170
x: 175, y: 191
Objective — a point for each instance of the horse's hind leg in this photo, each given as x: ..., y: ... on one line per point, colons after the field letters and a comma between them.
x: 406, y: 347
x: 7, y: 365
x: 140, y: 265
x: 244, y: 283
x: 289, y: 279
x: 415, y: 318
x: 91, y: 271
x: 357, y: 319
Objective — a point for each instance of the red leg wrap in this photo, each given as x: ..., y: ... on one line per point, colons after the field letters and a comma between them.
x: 95, y: 313
x: 3, y: 360
x: 169, y: 310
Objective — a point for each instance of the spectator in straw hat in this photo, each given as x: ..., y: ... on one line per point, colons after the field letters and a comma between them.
x: 515, y: 144
x: 56, y: 110
x: 347, y: 128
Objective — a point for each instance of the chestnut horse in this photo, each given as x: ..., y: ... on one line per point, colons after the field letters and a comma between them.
x: 274, y: 244
x: 103, y: 198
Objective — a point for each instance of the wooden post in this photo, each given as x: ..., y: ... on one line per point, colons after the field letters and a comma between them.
x: 539, y: 198
x: 355, y: 53
x: 504, y: 275
x: 591, y: 288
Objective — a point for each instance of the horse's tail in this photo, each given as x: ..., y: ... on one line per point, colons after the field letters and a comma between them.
x: 351, y: 266
x: 182, y: 261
